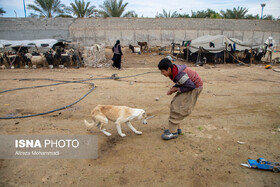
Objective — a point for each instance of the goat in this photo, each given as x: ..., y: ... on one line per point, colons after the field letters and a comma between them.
x: 240, y: 55
x: 34, y: 53
x: 57, y: 57
x: 66, y: 58
x: 12, y: 59
x: 37, y: 60
x: 49, y: 57
x: 131, y: 48
x: 1, y: 59
x: 143, y: 44
x: 76, y: 58
x: 24, y: 59
x: 220, y: 57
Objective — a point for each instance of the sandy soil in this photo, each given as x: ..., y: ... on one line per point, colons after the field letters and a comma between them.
x: 238, y: 103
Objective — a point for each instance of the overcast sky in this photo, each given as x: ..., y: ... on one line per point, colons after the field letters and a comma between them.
x: 149, y: 8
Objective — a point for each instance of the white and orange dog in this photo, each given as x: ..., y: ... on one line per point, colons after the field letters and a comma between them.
x: 101, y: 115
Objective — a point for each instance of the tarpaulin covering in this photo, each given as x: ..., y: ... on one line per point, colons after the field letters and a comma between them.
x: 218, y: 43
x: 46, y: 43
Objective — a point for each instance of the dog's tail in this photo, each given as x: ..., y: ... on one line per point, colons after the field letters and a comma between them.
x: 89, y: 125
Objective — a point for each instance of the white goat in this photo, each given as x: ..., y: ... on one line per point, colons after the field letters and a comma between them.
x: 37, y: 60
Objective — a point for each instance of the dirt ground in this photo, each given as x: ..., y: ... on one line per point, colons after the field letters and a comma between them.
x: 238, y: 103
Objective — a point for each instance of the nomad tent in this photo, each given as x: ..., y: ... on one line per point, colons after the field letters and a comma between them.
x: 42, y: 45
x: 218, y: 43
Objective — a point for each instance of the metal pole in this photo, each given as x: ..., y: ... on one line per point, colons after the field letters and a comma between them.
x: 262, y: 5
x: 24, y: 8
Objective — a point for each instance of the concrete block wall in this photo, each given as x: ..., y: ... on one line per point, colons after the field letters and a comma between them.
x: 31, y: 28
x: 156, y: 31
x: 163, y: 31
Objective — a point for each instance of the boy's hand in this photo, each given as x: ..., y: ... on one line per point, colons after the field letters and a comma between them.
x: 172, y: 90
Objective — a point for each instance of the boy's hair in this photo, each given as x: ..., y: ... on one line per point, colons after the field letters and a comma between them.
x: 165, y: 64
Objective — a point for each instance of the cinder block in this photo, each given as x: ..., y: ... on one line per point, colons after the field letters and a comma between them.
x: 112, y: 36
x: 141, y: 35
x: 248, y: 36
x: 180, y: 35
x: 215, y: 32
x: 228, y: 33
x: 191, y: 34
x: 238, y: 35
x: 127, y: 37
x: 167, y: 36
x: 203, y: 32
x: 100, y: 36
x: 257, y: 38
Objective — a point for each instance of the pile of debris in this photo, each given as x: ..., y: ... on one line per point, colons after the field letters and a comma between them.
x: 94, y: 56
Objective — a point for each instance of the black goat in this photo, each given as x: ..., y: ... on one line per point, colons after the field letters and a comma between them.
x: 131, y: 48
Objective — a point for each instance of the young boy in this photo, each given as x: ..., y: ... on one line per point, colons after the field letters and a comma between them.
x: 187, y: 88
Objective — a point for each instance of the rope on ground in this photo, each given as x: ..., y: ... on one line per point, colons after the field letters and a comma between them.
x: 63, y: 82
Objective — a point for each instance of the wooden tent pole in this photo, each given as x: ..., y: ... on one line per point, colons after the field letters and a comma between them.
x: 187, y: 54
x: 251, y: 58
x: 225, y: 53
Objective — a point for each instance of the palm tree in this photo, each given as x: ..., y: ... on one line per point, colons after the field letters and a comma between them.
x: 115, y: 8
x: 250, y: 16
x: 205, y: 14
x: 215, y: 16
x: 268, y: 17
x: 166, y: 14
x: 47, y: 8
x: 81, y: 9
x: 236, y: 13
x: 183, y: 15
x: 2, y: 11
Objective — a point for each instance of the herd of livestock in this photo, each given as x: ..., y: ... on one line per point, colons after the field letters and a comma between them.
x: 226, y: 56
x: 60, y: 57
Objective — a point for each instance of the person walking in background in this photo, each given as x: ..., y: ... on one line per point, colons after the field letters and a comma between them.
x: 117, y: 58
x: 269, y: 43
